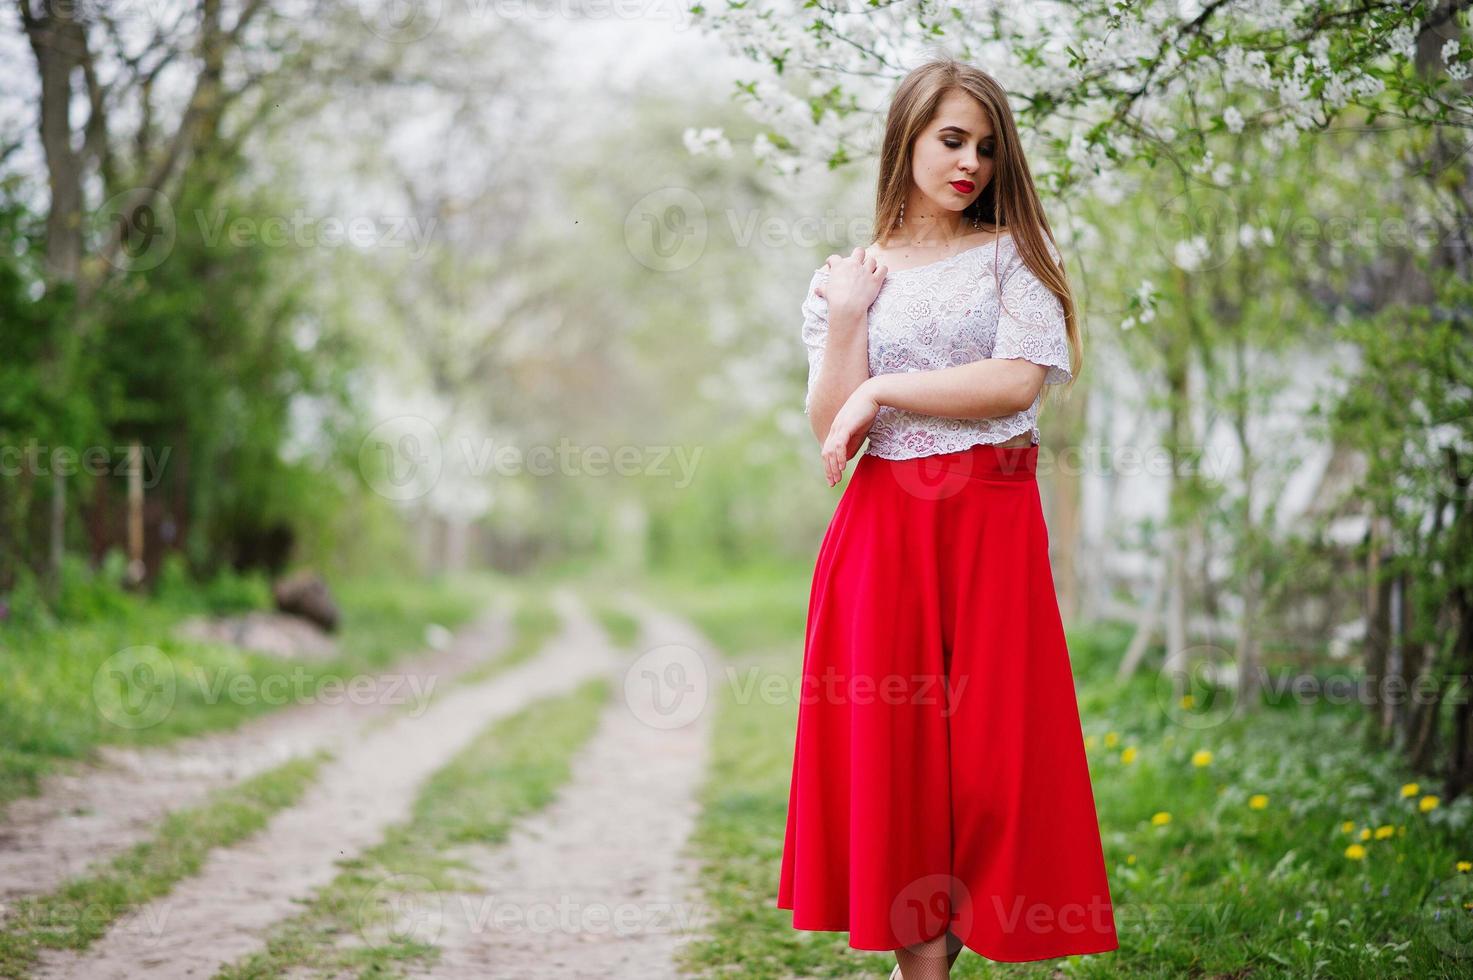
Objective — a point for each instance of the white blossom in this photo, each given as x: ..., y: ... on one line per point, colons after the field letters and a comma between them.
x: 1190, y: 253
x: 1233, y: 119
x: 1403, y: 41
x: 709, y: 140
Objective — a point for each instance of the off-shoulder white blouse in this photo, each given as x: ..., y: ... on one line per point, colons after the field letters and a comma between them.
x: 979, y: 303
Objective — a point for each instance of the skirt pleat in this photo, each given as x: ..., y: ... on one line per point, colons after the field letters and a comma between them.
x: 939, y: 775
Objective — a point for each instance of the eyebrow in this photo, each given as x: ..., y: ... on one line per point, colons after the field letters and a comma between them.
x: 958, y: 129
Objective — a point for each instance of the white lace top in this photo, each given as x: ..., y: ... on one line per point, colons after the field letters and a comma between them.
x: 979, y: 303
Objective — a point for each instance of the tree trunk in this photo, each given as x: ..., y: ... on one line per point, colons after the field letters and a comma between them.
x: 58, y: 41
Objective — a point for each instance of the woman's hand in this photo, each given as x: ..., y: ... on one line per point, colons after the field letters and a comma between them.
x: 853, y: 284
x: 851, y: 424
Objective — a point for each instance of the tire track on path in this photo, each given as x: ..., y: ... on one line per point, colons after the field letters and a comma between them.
x: 95, y: 811
x: 223, y: 912
x: 600, y: 884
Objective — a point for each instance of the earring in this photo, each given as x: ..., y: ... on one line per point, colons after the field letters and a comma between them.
x: 901, y: 222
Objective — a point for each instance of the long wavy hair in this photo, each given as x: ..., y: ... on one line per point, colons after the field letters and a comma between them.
x: 1008, y: 201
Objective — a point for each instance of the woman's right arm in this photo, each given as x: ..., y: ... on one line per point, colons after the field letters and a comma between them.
x: 838, y: 357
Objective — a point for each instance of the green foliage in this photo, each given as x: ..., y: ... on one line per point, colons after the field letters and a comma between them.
x: 89, y: 595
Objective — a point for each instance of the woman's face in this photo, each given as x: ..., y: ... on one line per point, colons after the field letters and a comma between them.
x: 956, y: 146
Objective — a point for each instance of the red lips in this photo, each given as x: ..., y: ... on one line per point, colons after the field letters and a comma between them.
x: 963, y: 186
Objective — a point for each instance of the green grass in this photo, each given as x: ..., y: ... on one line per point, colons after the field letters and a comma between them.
x: 619, y: 626
x: 1221, y: 889
x: 534, y: 622
x: 78, y: 913
x: 122, y: 676
x: 513, y: 768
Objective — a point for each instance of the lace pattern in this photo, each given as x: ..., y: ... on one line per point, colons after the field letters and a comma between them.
x: 980, y: 303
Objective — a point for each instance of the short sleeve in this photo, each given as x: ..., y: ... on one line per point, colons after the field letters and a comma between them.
x: 1030, y: 323
x: 815, y: 331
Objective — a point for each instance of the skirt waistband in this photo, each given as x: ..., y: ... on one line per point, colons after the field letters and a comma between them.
x: 984, y: 462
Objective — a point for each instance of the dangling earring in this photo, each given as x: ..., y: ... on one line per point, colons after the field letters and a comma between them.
x: 901, y: 222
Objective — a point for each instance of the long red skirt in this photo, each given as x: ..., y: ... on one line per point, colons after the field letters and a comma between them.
x: 939, y: 773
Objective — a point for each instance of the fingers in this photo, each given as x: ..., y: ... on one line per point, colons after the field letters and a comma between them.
x: 834, y: 457
x: 881, y: 271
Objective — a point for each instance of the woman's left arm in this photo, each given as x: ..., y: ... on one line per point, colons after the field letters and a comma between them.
x: 983, y: 389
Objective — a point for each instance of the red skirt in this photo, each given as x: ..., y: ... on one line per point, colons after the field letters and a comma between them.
x: 939, y: 773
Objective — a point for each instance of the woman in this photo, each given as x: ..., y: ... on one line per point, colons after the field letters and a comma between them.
x: 940, y: 792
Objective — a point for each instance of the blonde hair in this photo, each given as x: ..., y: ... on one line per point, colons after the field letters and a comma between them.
x: 1009, y: 200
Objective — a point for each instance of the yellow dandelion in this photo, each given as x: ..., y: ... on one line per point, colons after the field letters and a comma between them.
x: 1410, y: 789
x: 1201, y: 757
x: 1130, y: 859
x: 1258, y: 801
x: 1187, y: 701
x: 1111, y: 739
x: 1159, y: 818
x: 1427, y: 803
x: 1347, y: 826
x: 1355, y: 852
x: 1465, y: 866
x: 1365, y: 833
x: 1384, y: 831
x: 1128, y: 756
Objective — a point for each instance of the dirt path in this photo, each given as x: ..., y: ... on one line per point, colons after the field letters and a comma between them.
x: 96, y: 811
x: 222, y: 913
x: 599, y: 883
